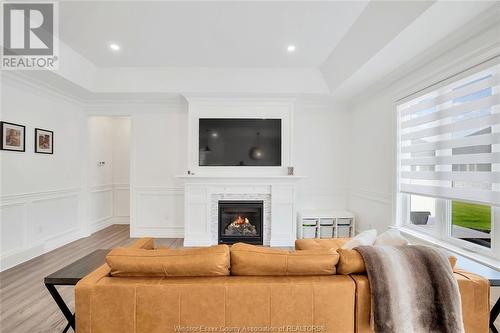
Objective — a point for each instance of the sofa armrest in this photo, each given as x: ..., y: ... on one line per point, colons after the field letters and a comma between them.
x: 475, y: 297
x: 85, y: 287
x: 83, y: 297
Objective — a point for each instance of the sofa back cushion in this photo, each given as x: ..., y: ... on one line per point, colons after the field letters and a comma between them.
x: 351, y: 262
x: 210, y: 261
x: 255, y: 260
x: 316, y: 244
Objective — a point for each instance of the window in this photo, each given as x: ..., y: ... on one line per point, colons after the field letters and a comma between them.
x: 449, y: 162
x: 423, y: 213
x: 471, y: 222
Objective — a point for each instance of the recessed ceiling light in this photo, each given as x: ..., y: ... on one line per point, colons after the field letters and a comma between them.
x: 291, y: 48
x: 114, y: 47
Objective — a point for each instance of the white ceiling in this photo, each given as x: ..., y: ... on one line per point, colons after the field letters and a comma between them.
x: 206, y: 34
x: 344, y: 48
x: 428, y: 33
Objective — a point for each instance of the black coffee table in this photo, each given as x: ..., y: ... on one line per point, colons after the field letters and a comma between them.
x: 488, y: 273
x: 69, y: 276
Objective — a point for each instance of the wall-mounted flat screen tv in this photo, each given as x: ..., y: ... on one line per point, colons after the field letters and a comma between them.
x: 239, y: 142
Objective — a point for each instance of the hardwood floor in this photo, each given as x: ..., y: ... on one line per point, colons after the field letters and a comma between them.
x: 27, y: 307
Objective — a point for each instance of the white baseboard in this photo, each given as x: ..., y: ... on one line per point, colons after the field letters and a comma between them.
x: 20, y: 257
x: 121, y: 220
x: 100, y: 224
x: 48, y: 245
x: 61, y: 239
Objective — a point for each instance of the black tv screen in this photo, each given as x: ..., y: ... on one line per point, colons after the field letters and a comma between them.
x: 239, y: 142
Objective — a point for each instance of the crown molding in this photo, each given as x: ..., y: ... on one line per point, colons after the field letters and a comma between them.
x: 37, y: 85
x: 418, y: 69
x: 238, y: 98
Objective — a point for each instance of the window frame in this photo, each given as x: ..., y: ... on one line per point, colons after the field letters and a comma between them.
x: 443, y: 230
x: 441, y: 235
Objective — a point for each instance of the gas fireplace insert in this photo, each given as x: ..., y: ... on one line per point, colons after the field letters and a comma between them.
x: 240, y: 221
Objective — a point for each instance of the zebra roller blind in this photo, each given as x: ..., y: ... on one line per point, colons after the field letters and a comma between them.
x: 449, y: 140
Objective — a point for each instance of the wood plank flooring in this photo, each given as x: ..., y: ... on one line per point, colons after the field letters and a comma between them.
x: 27, y: 307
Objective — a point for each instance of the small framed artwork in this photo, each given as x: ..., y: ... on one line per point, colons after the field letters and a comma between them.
x: 13, y: 136
x: 44, y: 141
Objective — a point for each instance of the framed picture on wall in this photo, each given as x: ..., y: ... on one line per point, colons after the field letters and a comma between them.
x: 13, y: 136
x: 44, y: 141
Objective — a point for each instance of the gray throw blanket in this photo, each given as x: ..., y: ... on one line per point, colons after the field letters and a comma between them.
x: 413, y: 290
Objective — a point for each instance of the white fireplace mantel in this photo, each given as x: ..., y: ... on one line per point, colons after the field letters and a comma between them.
x: 202, y: 193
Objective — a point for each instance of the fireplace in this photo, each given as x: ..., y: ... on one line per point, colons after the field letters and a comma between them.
x: 240, y: 221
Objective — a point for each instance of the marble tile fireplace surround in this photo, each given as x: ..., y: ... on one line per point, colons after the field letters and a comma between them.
x: 203, y: 194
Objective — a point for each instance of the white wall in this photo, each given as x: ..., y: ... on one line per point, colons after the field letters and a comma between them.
x: 40, y: 204
x: 159, y: 153
x: 108, y: 142
x: 121, y: 170
x: 372, y: 163
x: 65, y: 196
x: 100, y: 136
x: 319, y: 140
x: 49, y: 200
x: 372, y: 121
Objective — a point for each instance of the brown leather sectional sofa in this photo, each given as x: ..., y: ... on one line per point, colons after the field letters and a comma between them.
x: 251, y: 289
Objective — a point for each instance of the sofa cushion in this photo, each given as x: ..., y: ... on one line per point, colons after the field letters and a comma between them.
x: 255, y: 260
x: 315, y: 244
x: 210, y: 261
x: 350, y: 262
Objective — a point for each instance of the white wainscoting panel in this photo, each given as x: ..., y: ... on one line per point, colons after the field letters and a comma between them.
x: 14, y: 227
x: 101, y: 207
x: 373, y: 209
x: 121, y: 203
x: 35, y: 223
x: 54, y: 219
x: 159, y: 212
x: 283, y: 226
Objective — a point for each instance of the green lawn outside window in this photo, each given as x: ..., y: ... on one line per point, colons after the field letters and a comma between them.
x: 471, y: 216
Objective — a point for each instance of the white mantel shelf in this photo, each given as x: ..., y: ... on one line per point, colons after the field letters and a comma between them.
x: 203, y: 191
